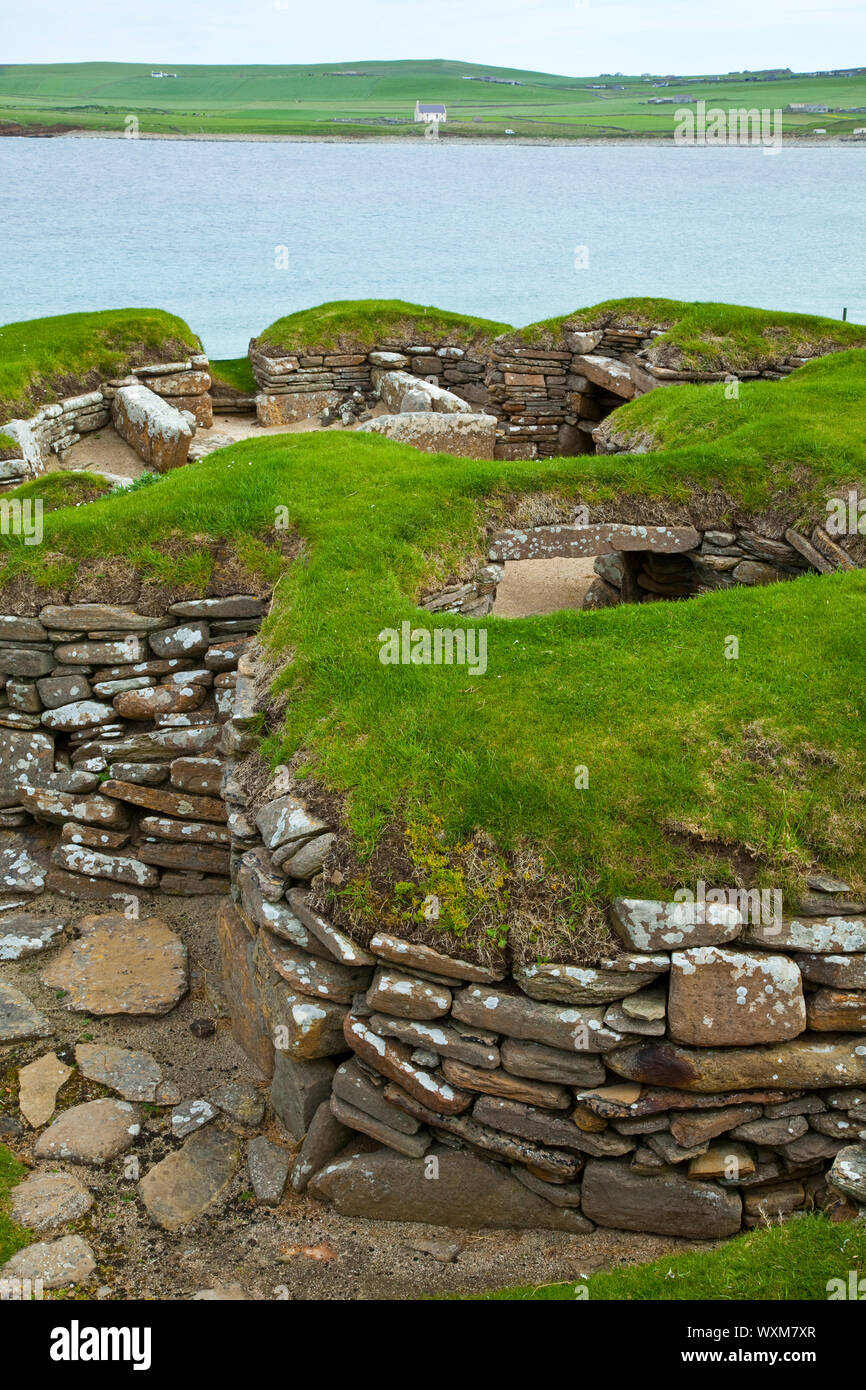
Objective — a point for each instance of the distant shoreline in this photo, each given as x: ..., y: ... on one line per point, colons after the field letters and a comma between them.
x: 554, y: 142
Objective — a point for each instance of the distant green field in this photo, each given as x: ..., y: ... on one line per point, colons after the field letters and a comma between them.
x: 354, y: 99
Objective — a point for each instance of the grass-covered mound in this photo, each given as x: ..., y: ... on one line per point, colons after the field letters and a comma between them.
x: 812, y: 423
x: 358, y: 324
x: 707, y: 336
x: 699, y: 766
x: 698, y: 336
x: 42, y: 360
x: 56, y: 490
x: 797, y: 1261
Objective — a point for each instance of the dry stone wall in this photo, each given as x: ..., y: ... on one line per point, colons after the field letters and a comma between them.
x: 184, y: 386
x: 709, y: 1074
x: 546, y: 401
x: 114, y: 729
x: 645, y: 563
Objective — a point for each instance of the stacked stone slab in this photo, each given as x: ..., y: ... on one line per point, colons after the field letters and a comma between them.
x: 56, y: 427
x: 296, y: 385
x: 114, y: 728
x: 547, y: 400
x: 644, y: 563
x: 710, y: 1073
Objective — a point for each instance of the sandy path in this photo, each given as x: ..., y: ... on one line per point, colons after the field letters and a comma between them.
x: 105, y: 452
x: 531, y: 587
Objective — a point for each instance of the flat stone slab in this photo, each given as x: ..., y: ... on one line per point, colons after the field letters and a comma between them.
x: 848, y: 1173
x: 558, y: 1025
x: 183, y: 1185
x: 190, y: 1116
x: 645, y: 925
x: 19, y: 1019
x: 23, y: 863
x: 412, y: 1145
x: 406, y: 996
x: 464, y: 436
x: 240, y: 1101
x: 838, y: 972
x: 668, y: 1205
x: 544, y: 1063
x: 38, y: 1084
x: 136, y: 1076
x: 608, y: 372
x: 152, y: 700
x: 91, y: 1133
x: 159, y: 434
x: 357, y: 1088
x: 92, y: 617
x: 25, y: 934
x: 804, y: 1063
x: 60, y: 807
x: 268, y: 1167
x: 818, y: 935
x: 334, y: 942
x: 412, y: 956
x: 94, y: 863
x: 394, y: 1060
x: 80, y: 714
x: 46, y: 1200
x: 323, y: 979
x: 68, y: 1260
x: 723, y: 997
x: 468, y: 1193
x: 439, y: 1037
x: 118, y: 966
x: 604, y: 538
x: 237, y: 606
x: 24, y: 757
x: 546, y: 1094
x: 832, y: 1011
x: 574, y: 984
x: 167, y: 803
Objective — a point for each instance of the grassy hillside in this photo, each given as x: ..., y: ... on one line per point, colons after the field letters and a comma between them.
x: 346, y: 99
x: 44, y: 359
x: 465, y: 787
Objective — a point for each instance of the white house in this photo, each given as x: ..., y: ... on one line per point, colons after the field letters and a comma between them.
x: 428, y: 113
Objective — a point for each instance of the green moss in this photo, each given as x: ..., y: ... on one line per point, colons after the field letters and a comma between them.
x: 12, y: 1236
x: 44, y: 359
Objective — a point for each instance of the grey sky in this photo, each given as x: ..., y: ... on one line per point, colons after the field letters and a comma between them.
x: 566, y: 36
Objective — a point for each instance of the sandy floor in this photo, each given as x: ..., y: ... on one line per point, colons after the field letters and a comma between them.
x: 235, y: 1241
x: 105, y: 452
x: 530, y: 587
